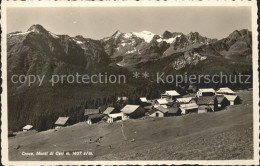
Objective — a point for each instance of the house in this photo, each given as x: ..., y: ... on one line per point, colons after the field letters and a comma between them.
x: 114, y: 117
x: 233, y: 99
x: 207, y: 104
x: 225, y: 91
x: 132, y: 112
x: 174, y: 110
x: 222, y: 102
x: 188, y: 108
x: 158, y: 112
x: 206, y: 92
x: 143, y: 99
x: 170, y: 95
x: 161, y: 102
x: 93, y: 115
x: 148, y: 108
x: 62, y: 122
x: 109, y: 110
x: 27, y: 128
x: 144, y: 102
x: 94, y: 118
x: 185, y: 100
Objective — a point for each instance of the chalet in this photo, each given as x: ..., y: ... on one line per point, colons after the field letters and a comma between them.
x: 188, y: 108
x: 158, y: 112
x: 222, y: 102
x: 206, y: 92
x: 185, y: 100
x: 148, y: 108
x: 109, y: 110
x: 94, y: 118
x: 61, y: 122
x: 27, y: 128
x: 233, y: 99
x: 174, y: 110
x: 143, y: 99
x: 170, y: 95
x: 207, y: 104
x: 114, y: 117
x: 144, y: 102
x: 225, y: 91
x: 93, y: 115
x: 161, y: 102
x: 132, y: 112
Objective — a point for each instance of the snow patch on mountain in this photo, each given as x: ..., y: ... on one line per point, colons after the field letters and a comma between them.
x: 131, y: 51
x: 170, y: 40
x: 146, y: 35
x: 22, y: 33
x: 127, y: 35
x: 78, y: 42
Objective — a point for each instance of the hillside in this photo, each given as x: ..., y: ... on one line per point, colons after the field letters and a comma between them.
x: 196, y: 136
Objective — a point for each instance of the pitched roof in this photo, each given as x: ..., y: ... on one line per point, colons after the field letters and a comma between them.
x: 207, y: 90
x: 148, y: 107
x: 225, y: 90
x: 206, y: 100
x: 220, y: 98
x: 91, y: 111
x: 162, y: 101
x: 95, y: 116
x: 128, y: 109
x: 62, y: 121
x: 161, y: 109
x: 173, y: 110
x: 172, y: 93
x: 189, y: 106
x: 231, y: 97
x: 28, y: 127
x: 109, y: 110
x: 184, y: 100
x: 163, y: 105
x: 143, y: 99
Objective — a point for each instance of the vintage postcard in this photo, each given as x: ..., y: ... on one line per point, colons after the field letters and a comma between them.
x: 129, y: 82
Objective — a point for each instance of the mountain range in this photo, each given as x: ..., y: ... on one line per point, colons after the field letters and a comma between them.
x: 39, y: 48
x: 41, y: 52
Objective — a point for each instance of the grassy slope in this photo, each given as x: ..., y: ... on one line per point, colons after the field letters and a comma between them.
x: 221, y: 135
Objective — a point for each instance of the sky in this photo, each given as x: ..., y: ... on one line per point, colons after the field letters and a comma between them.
x: 101, y: 22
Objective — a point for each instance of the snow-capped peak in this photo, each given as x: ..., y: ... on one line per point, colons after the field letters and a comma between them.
x: 146, y: 35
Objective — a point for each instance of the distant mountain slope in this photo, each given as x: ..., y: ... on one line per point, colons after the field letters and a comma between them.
x: 38, y: 51
x: 130, y: 49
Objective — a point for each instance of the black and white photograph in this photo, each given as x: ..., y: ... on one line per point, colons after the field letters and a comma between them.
x: 128, y: 83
